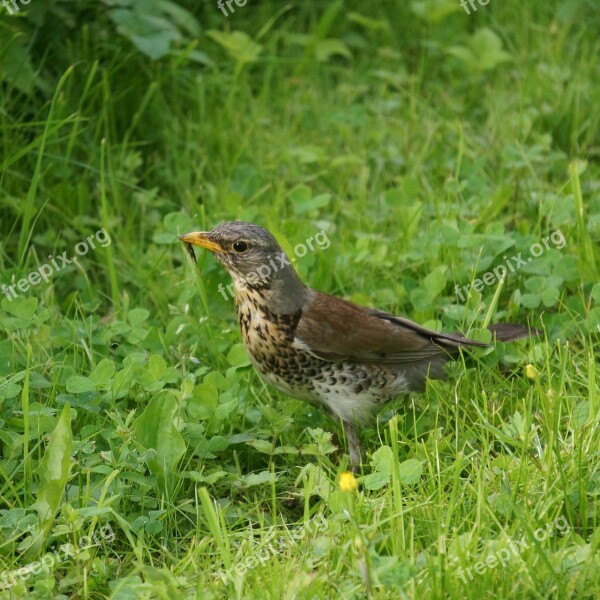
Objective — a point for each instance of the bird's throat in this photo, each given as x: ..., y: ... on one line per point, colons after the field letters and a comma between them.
x: 283, y: 291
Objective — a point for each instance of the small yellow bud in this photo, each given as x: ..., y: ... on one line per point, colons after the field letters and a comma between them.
x: 347, y: 482
x: 531, y: 372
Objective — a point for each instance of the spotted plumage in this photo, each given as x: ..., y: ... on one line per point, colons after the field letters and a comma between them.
x: 347, y: 358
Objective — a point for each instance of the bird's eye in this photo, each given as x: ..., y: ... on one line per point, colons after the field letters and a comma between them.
x: 240, y: 246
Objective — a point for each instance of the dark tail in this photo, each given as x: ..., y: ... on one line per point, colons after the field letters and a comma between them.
x: 506, y: 332
x: 502, y: 332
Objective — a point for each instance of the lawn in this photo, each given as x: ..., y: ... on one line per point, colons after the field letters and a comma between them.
x: 432, y: 160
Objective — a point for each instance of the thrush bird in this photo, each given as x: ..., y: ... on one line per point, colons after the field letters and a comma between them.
x: 347, y: 358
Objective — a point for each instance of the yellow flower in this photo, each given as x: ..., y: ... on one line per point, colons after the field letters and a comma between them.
x: 531, y: 372
x: 347, y: 482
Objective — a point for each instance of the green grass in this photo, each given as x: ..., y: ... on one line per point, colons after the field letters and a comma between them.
x: 428, y: 145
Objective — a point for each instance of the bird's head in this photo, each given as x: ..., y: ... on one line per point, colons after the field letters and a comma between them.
x: 249, y: 252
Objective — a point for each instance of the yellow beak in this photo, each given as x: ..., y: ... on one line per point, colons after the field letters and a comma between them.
x: 202, y: 239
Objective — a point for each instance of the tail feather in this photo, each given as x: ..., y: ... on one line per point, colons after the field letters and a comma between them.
x: 501, y: 332
x: 507, y: 332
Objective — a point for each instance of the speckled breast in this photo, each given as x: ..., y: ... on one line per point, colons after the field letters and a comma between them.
x: 268, y: 338
x: 347, y: 389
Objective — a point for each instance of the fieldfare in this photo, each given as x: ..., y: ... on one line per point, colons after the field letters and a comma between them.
x: 348, y: 358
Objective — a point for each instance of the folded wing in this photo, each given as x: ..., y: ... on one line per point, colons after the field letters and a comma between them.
x: 335, y: 329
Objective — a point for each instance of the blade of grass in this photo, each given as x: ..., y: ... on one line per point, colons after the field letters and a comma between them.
x: 216, y: 526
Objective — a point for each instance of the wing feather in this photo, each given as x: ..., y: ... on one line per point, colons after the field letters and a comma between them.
x: 334, y: 329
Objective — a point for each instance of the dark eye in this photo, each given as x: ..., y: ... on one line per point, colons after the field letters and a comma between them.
x: 240, y: 246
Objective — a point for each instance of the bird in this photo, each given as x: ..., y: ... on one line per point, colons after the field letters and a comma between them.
x: 346, y: 358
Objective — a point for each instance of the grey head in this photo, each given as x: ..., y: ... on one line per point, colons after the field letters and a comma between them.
x: 255, y: 261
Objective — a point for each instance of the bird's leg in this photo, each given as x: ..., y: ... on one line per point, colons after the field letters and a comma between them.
x: 354, y: 449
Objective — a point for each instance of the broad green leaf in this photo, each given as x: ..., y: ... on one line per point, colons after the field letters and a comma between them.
x: 155, y: 428
x: 377, y: 480
x: 78, y: 384
x: 152, y: 34
x: 181, y: 17
x: 530, y: 300
x: 383, y: 459
x: 483, y: 51
x: 383, y: 463
x: 38, y: 381
x: 154, y: 527
x: 203, y: 402
x: 222, y: 411
x: 157, y: 366
x: 238, y: 44
x: 9, y: 390
x: 164, y: 238
x: 286, y: 450
x: 103, y: 372
x: 410, y: 471
x: 22, y: 308
x: 238, y: 357
x: 217, y: 444
x: 137, y: 316
x: 319, y: 201
x: 177, y: 223
x: 435, y: 282
x: 216, y: 379
x: 550, y: 296
x: 263, y: 446
x: 15, y: 62
x: 259, y: 478
x: 52, y: 474
x: 300, y: 194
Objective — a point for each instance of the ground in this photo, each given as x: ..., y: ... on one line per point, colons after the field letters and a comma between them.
x: 449, y: 156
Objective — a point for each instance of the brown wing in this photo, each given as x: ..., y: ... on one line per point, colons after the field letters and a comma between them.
x: 334, y: 329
